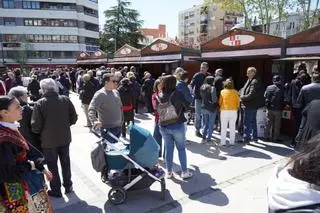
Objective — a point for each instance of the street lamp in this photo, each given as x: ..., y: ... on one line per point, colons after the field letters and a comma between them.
x: 50, y: 60
x: 115, y: 43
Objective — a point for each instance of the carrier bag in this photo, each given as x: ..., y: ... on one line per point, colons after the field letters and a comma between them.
x: 167, y: 112
x: 98, y: 157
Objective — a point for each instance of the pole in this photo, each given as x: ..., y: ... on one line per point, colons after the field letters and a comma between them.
x: 118, y: 27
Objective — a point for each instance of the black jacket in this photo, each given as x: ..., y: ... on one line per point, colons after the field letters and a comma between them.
x: 307, y: 94
x: 274, y: 97
x: 51, y: 118
x: 25, y: 126
x: 196, y: 84
x: 127, y: 98
x: 87, y: 92
x: 218, y: 84
x: 310, y: 123
x: 147, y: 86
x: 252, y: 94
x: 34, y: 88
x: 208, y: 97
x: 10, y: 170
x: 178, y: 100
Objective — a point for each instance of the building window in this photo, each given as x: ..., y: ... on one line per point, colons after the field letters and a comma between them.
x: 9, y: 21
x: 50, y: 22
x: 30, y: 5
x: 90, y: 12
x: 8, y: 3
x: 10, y: 38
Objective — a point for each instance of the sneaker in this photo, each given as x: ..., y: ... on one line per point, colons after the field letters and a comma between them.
x: 204, y: 141
x: 169, y: 175
x: 211, y: 141
x: 186, y: 175
x: 198, y: 134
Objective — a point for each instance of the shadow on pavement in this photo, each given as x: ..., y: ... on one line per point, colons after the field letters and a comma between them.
x: 73, y: 205
x: 145, y: 200
x: 240, y: 151
x: 276, y: 149
x: 201, y: 185
x: 207, y: 150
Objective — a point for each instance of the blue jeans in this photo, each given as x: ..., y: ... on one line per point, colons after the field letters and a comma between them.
x: 209, y: 119
x: 250, y: 124
x: 197, y: 106
x: 116, y: 131
x: 158, y: 137
x: 175, y: 137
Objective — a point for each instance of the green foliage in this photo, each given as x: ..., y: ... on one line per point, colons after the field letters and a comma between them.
x: 22, y: 53
x: 121, y: 27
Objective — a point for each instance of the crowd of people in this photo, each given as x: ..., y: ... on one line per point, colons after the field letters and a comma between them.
x: 33, y: 138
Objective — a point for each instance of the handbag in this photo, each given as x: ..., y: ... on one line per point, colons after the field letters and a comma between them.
x: 38, y: 199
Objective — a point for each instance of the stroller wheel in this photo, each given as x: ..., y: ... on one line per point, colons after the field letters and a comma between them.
x: 163, y: 189
x: 117, y: 195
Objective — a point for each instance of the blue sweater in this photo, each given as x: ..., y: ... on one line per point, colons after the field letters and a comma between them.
x: 183, y: 88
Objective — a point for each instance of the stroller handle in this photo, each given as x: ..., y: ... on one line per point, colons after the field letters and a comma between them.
x: 97, y: 133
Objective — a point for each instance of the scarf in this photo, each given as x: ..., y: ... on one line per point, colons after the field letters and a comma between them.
x: 12, y: 136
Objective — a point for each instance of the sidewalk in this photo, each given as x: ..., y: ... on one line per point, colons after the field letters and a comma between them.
x: 228, y: 180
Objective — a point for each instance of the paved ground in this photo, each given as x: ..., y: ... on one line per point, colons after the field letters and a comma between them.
x: 228, y: 180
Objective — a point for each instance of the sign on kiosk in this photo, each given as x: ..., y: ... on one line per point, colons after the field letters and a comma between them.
x: 238, y: 40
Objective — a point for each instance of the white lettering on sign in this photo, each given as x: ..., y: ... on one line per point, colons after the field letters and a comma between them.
x: 125, y: 51
x: 159, y: 47
x: 98, y: 53
x: 237, y: 40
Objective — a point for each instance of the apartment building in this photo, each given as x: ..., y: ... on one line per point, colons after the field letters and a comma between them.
x: 199, y: 24
x: 51, y: 32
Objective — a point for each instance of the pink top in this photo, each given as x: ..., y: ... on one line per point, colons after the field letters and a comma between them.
x: 154, y: 105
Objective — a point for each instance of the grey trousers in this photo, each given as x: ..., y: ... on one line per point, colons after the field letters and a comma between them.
x: 85, y: 108
x: 274, y: 118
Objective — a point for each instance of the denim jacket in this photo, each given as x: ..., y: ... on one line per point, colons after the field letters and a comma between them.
x: 184, y: 89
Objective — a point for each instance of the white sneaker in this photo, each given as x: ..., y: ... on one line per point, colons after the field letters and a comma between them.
x: 186, y: 175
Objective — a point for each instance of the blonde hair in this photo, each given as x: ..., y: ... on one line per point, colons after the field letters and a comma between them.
x: 130, y: 75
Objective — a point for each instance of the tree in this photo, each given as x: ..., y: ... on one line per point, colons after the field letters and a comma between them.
x: 266, y: 10
x: 23, y: 53
x: 121, y: 27
x: 308, y: 13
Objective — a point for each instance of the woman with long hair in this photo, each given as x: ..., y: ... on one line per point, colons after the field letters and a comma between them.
x: 297, y: 184
x: 157, y: 88
x: 172, y: 126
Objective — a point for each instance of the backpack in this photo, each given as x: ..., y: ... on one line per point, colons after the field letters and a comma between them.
x: 167, y: 112
x: 206, y: 96
x: 98, y: 157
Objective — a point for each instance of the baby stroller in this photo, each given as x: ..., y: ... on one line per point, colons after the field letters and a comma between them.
x: 132, y: 166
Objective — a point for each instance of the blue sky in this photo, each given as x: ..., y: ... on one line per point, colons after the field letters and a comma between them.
x: 154, y: 12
